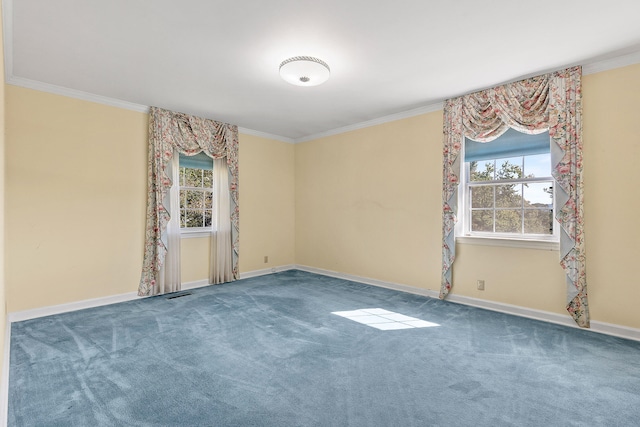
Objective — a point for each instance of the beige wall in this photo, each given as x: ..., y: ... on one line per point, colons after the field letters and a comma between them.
x: 612, y: 197
x: 368, y: 203
x: 194, y: 259
x: 76, y: 194
x: 267, y: 211
x: 75, y: 199
x: 267, y: 204
x: 529, y: 278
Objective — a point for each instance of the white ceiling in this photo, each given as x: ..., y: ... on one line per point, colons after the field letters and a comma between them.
x: 219, y: 58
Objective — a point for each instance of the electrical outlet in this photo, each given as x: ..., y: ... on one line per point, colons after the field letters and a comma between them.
x: 266, y: 259
x: 481, y: 285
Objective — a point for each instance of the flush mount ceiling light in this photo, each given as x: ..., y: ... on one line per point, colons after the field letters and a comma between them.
x: 304, y: 71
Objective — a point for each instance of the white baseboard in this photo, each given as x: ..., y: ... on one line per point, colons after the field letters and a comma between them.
x: 545, y: 316
x: 596, y: 326
x: 265, y: 271
x: 369, y: 281
x: 615, y: 330
x: 18, y: 316
x: 194, y: 285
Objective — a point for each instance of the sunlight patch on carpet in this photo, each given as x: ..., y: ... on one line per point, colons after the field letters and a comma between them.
x: 384, y: 320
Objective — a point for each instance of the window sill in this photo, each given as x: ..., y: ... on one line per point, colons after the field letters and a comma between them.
x: 545, y: 245
x: 195, y: 234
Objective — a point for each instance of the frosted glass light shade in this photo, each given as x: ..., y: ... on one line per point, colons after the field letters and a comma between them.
x: 304, y: 71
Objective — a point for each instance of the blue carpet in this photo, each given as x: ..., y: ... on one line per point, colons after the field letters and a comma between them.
x: 267, y: 351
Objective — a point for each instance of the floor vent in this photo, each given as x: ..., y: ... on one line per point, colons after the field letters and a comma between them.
x: 181, y: 294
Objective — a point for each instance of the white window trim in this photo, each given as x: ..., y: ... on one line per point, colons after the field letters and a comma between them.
x: 193, y: 233
x: 547, y: 245
x: 463, y: 236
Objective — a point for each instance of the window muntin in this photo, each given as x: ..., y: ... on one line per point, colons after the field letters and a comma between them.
x: 510, y: 197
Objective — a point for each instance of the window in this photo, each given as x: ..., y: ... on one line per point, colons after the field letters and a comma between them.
x: 508, y: 188
x: 196, y: 192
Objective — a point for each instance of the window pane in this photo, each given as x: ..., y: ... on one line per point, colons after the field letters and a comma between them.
x: 193, y: 218
x: 509, y: 196
x: 482, y: 220
x: 538, y: 221
x: 207, y: 180
x: 208, y: 200
x: 537, y: 166
x: 183, y: 199
x: 181, y: 177
x: 207, y: 218
x: 193, y: 177
x: 510, y: 168
x: 183, y: 218
x: 482, y: 170
x: 509, y: 221
x: 482, y: 196
x: 538, y: 194
x: 515, y: 208
x: 194, y: 199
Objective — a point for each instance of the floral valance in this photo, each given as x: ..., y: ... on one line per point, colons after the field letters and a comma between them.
x: 552, y: 101
x: 523, y: 105
x: 169, y: 131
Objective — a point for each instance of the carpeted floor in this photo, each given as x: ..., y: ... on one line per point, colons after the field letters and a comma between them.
x: 268, y: 351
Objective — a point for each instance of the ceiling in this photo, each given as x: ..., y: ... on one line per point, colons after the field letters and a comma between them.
x: 219, y: 58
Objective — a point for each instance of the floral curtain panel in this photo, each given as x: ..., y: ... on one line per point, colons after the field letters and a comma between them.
x: 552, y: 101
x: 189, y: 135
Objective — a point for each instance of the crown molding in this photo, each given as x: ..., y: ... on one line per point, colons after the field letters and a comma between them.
x: 266, y: 135
x: 612, y: 63
x: 113, y: 102
x: 587, y: 68
x: 7, y: 22
x: 380, y: 120
x: 77, y: 94
x: 7, y: 38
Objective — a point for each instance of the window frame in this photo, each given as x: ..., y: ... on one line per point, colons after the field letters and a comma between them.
x: 465, y: 235
x: 194, y: 232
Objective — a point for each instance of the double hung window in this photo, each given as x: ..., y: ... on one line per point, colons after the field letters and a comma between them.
x: 196, y: 192
x: 508, y: 188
